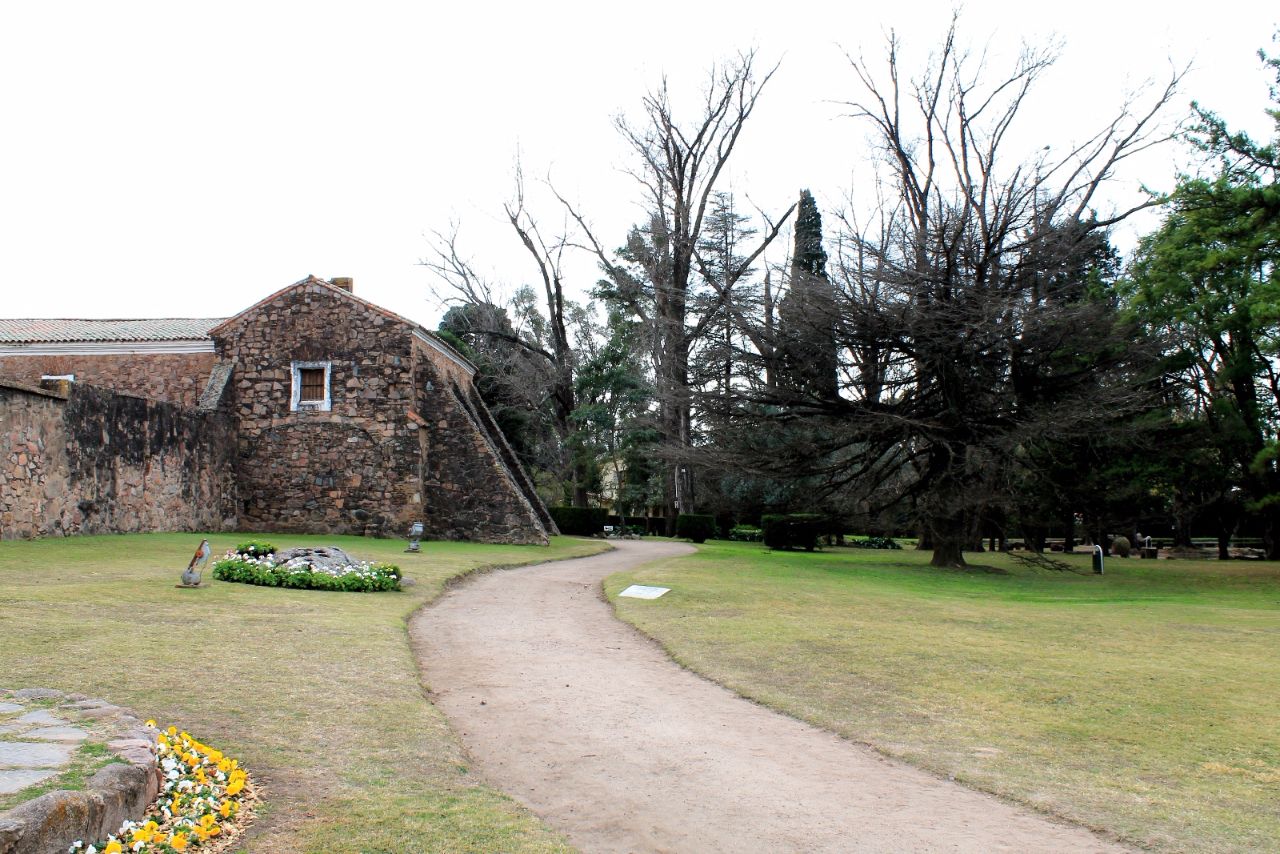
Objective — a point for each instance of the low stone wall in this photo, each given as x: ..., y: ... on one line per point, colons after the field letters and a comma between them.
x: 91, y: 461
x: 116, y: 793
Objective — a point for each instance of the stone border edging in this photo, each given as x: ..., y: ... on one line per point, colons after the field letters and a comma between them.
x: 50, y: 823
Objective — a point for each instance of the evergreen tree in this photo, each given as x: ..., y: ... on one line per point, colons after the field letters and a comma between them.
x: 807, y: 314
x: 1209, y: 281
x: 713, y: 362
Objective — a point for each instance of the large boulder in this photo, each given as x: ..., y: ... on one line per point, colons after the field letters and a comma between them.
x: 323, y: 557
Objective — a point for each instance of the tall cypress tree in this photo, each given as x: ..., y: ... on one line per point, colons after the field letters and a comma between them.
x: 807, y: 314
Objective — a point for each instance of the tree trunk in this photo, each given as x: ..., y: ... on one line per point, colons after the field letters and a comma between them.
x: 949, y: 537
x: 1181, y: 532
x: 948, y: 554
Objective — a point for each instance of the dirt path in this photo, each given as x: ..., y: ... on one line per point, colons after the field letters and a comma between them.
x: 593, y: 727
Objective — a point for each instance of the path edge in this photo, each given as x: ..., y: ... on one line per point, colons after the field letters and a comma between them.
x: 1103, y: 833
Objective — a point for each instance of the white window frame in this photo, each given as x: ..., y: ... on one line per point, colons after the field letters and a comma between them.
x: 298, y: 405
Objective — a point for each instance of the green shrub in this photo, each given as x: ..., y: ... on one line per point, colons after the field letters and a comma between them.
x: 873, y: 543
x: 360, y: 578
x: 256, y: 548
x: 746, y: 534
x: 695, y: 526
x: 792, y: 530
x: 579, y: 521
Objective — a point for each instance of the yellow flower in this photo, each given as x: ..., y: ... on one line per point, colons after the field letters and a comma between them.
x: 173, y: 731
x: 234, y: 787
x: 200, y: 777
x: 162, y: 739
x: 113, y: 847
x: 215, y: 755
x: 207, y: 820
x: 178, y: 842
x: 224, y: 766
x: 151, y: 723
x: 226, y: 809
x: 145, y: 833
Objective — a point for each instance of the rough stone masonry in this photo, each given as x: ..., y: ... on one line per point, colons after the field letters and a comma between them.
x: 339, y: 417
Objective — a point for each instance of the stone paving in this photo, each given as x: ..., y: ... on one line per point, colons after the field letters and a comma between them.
x: 41, y: 731
x: 34, y: 746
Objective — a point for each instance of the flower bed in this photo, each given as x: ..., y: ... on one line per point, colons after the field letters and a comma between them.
x: 361, y: 577
x: 204, y: 800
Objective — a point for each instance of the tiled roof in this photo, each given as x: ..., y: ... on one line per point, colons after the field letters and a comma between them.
x: 28, y: 331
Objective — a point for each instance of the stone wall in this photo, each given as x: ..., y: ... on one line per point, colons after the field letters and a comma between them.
x: 470, y: 492
x: 351, y: 469
x: 174, y: 377
x: 402, y: 436
x: 96, y: 462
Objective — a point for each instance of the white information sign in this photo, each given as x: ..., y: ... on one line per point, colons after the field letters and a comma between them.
x: 640, y: 591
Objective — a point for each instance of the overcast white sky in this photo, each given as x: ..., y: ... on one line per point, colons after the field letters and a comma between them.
x: 180, y: 159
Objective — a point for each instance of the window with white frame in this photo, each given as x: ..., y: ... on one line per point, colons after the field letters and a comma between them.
x: 311, y: 386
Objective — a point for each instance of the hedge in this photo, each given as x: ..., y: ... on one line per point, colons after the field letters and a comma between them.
x: 696, y: 527
x: 792, y: 530
x: 579, y: 521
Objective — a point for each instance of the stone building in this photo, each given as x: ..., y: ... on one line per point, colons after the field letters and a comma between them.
x: 341, y: 416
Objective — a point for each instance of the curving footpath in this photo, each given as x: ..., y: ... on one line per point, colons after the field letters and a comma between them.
x: 591, y: 726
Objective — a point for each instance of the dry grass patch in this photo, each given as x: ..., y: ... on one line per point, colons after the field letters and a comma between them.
x: 317, y: 693
x: 1145, y: 702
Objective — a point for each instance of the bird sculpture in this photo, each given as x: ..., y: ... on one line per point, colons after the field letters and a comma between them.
x: 191, y: 575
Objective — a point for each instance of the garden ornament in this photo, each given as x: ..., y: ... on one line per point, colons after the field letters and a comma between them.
x: 415, y: 534
x: 191, y: 575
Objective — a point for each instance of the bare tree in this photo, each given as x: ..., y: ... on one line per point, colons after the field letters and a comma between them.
x: 965, y: 325
x: 545, y: 321
x: 679, y: 166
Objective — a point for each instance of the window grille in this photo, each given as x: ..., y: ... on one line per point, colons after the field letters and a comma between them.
x: 312, y: 385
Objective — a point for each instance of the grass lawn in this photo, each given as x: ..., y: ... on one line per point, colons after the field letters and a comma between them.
x: 1145, y: 702
x: 316, y: 693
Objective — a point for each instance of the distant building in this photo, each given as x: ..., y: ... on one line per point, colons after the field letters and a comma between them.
x: 337, y: 416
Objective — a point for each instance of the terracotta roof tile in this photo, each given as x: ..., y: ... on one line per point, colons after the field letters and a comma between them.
x: 32, y: 331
